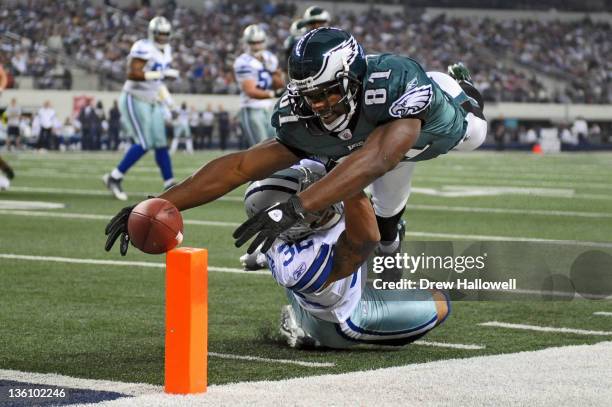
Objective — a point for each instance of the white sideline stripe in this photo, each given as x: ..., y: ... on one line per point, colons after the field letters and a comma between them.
x: 11, y: 256
x: 450, y: 345
x: 415, y: 234
x: 603, y: 314
x: 497, y: 324
x: 52, y: 379
x: 268, y: 360
x: 514, y: 379
x: 539, y: 212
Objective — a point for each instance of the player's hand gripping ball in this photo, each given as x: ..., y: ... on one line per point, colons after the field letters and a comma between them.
x: 155, y: 226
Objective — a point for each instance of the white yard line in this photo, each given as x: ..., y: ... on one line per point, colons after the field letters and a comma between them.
x: 449, y: 345
x: 538, y: 212
x: 93, y: 192
x: 603, y: 314
x: 268, y: 360
x: 69, y: 215
x: 538, y: 328
x: 458, y: 236
x: 461, y: 236
x: 121, y: 263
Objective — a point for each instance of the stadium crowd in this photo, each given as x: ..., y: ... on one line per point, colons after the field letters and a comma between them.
x: 503, y: 56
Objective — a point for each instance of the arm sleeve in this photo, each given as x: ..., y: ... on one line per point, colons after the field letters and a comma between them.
x: 140, y: 50
x: 244, y: 71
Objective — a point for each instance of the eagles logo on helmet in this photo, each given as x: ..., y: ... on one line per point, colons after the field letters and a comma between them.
x: 326, y: 62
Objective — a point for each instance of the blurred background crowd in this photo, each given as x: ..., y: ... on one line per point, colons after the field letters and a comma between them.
x: 511, y: 60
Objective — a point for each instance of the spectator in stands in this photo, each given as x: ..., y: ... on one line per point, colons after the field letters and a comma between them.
x: 13, y: 119
x: 195, y: 126
x: 101, y: 126
x: 89, y: 124
x: 208, y: 123
x: 46, y: 120
x: 223, y: 121
x: 70, y: 136
x: 114, y: 126
x: 182, y: 130
x: 580, y: 130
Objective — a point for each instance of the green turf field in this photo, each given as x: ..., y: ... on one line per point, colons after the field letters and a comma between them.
x: 106, y: 321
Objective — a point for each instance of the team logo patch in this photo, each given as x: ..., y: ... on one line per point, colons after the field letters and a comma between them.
x: 276, y: 215
x: 412, y: 102
x: 345, y: 134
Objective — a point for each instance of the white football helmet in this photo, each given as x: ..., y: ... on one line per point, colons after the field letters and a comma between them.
x: 255, y: 39
x: 159, y: 31
x: 281, y: 186
x: 315, y: 17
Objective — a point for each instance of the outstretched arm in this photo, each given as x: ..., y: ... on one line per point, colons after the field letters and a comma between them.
x: 226, y: 173
x: 358, y: 240
x: 382, y: 151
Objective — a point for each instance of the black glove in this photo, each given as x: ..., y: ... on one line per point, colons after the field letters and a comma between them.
x: 269, y: 223
x: 118, y: 226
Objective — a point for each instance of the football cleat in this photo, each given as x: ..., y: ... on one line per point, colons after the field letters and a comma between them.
x: 459, y: 72
x: 114, y: 185
x: 290, y: 330
x: 394, y: 274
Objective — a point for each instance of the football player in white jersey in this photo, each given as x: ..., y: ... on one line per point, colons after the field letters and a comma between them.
x: 322, y: 264
x: 144, y: 102
x: 260, y: 80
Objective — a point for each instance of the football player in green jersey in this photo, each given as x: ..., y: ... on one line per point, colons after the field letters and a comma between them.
x: 370, y: 118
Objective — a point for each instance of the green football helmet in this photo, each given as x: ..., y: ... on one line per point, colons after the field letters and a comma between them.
x: 324, y: 62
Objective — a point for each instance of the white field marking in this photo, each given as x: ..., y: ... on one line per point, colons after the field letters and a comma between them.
x: 461, y: 191
x: 562, y: 294
x: 13, y: 204
x: 268, y: 360
x: 51, y: 379
x: 603, y: 314
x: 473, y: 190
x: 497, y: 324
x: 94, y: 192
x: 510, y: 379
x: 121, y: 263
x: 412, y: 233
x: 509, y: 239
x: 538, y: 212
x: 515, y: 181
x: 69, y: 215
x: 449, y: 345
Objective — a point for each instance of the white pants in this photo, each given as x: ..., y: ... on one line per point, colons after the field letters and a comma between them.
x: 182, y: 132
x: 391, y: 191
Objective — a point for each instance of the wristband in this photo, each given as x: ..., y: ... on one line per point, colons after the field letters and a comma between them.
x: 152, y: 75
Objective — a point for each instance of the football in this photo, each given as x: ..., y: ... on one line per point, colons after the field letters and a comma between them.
x: 155, y: 226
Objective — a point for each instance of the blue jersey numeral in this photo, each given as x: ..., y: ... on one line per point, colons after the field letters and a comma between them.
x: 290, y: 250
x: 264, y: 79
